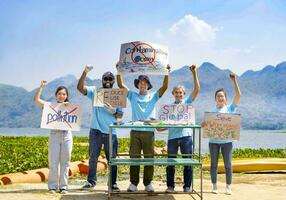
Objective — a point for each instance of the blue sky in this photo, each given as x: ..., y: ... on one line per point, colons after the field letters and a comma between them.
x: 41, y: 39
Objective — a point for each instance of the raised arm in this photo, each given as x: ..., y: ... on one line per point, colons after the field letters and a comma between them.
x: 80, y: 84
x: 236, y: 99
x: 165, y: 82
x: 37, y: 98
x: 120, y: 81
x: 196, y: 82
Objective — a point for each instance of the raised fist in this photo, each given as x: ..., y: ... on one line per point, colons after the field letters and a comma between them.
x: 44, y: 83
x: 88, y: 68
x: 193, y: 68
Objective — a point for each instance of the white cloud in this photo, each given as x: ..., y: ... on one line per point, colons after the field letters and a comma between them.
x: 193, y: 40
x: 193, y: 29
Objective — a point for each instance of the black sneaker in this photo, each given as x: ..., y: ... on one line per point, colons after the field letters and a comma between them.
x: 87, y: 186
x: 63, y: 191
x: 115, y: 188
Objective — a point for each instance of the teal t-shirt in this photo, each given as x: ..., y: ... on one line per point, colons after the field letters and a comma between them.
x: 143, y: 107
x: 101, y: 119
x: 231, y: 108
x: 181, y: 132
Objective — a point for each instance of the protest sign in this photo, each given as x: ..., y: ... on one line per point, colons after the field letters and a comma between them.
x: 221, y: 125
x: 177, y: 114
x: 115, y: 97
x: 61, y: 116
x: 143, y: 58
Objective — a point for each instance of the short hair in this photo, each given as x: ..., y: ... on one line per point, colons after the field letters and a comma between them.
x: 63, y: 88
x: 220, y: 90
x: 179, y: 87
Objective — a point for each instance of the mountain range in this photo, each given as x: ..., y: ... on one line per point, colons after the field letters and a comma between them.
x: 262, y: 103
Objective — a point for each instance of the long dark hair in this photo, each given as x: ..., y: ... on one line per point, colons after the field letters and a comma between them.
x: 221, y: 90
x: 63, y: 88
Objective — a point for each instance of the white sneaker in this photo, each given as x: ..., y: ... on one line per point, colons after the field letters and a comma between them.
x: 52, y: 191
x: 215, y: 190
x: 149, y: 188
x: 132, y: 188
x: 228, y: 190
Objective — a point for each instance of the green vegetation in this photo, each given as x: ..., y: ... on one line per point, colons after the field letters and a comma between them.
x: 25, y: 153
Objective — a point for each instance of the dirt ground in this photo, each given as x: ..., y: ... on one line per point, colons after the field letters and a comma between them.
x: 244, y: 187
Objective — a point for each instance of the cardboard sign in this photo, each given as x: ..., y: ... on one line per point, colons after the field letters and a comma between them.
x: 61, y: 117
x: 143, y: 58
x: 115, y: 97
x: 221, y: 125
x: 177, y: 114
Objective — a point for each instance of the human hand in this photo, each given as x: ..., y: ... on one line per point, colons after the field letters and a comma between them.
x: 193, y: 68
x: 232, y: 76
x: 204, y: 124
x: 117, y: 65
x: 43, y: 83
x: 109, y: 108
x: 168, y: 68
x: 88, y: 68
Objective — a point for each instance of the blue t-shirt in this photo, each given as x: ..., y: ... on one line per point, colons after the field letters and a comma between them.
x: 101, y: 118
x: 181, y: 132
x: 231, y: 108
x: 143, y: 107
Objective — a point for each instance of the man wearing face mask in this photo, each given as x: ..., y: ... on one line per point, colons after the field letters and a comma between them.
x: 102, y: 117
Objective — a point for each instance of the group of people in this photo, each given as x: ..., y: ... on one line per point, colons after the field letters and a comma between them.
x: 143, y: 104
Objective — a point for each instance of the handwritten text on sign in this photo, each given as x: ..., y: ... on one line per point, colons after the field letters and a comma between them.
x: 61, y: 117
x: 177, y: 114
x: 221, y: 125
x: 143, y: 58
x: 115, y: 97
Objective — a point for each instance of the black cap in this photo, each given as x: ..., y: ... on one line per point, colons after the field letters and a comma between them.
x: 141, y: 78
x: 108, y: 74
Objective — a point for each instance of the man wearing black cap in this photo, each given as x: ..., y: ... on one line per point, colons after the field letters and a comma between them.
x: 143, y: 108
x: 102, y: 117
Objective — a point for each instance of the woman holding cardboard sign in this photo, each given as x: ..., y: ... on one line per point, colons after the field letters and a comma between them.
x: 60, y: 145
x: 143, y: 105
x: 216, y: 144
x: 181, y: 137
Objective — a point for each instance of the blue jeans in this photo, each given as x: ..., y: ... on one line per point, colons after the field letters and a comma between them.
x: 226, y: 150
x: 185, y: 144
x: 96, y: 140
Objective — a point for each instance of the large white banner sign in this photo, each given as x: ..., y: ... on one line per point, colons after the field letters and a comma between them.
x: 177, y: 114
x: 143, y: 58
x: 61, y: 116
x: 115, y: 97
x: 221, y: 125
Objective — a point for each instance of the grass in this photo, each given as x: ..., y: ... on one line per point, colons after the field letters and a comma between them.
x: 18, y: 154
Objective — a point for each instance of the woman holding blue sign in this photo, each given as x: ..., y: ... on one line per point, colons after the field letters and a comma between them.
x: 181, y: 137
x: 60, y: 145
x: 216, y: 144
x: 143, y: 105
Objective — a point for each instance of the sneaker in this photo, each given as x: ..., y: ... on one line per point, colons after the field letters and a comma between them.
x: 170, y: 189
x: 87, y: 186
x: 115, y: 188
x: 52, y: 191
x: 228, y: 190
x: 187, y: 189
x: 132, y: 188
x: 63, y: 191
x: 215, y: 190
x: 149, y: 188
